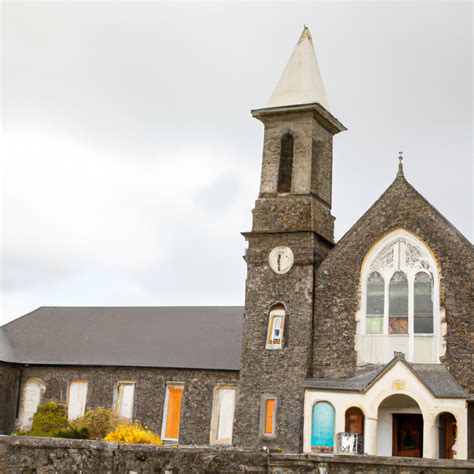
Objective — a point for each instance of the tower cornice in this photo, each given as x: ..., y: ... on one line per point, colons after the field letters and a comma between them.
x: 320, y: 114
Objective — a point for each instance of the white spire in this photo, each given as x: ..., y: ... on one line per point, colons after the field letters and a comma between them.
x: 301, y: 81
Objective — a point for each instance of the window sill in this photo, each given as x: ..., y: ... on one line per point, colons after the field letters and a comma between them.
x: 274, y: 346
x: 169, y: 441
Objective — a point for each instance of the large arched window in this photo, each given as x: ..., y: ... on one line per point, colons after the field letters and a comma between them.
x: 286, y: 163
x: 400, y: 302
x: 322, y: 428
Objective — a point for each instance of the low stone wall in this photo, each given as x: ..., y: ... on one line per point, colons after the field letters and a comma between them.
x: 30, y: 455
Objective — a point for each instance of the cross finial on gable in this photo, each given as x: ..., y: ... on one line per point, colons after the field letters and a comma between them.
x: 400, y: 164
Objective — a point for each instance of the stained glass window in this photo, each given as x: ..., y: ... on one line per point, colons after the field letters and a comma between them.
x: 423, y: 320
x: 398, y: 304
x: 375, y: 303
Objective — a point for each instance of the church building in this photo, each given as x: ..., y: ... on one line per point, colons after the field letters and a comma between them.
x: 361, y: 346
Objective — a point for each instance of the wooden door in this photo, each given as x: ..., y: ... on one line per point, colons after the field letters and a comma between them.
x: 407, y: 440
x: 354, y: 420
x: 447, y: 431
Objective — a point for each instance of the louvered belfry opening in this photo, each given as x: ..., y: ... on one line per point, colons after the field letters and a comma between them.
x: 286, y: 163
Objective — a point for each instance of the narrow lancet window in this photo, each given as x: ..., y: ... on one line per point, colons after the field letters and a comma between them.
x: 398, y: 304
x: 423, y: 320
x: 276, y: 327
x: 286, y: 163
x: 375, y: 303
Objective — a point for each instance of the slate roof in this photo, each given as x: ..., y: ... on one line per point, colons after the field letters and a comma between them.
x: 180, y: 337
x: 435, y: 377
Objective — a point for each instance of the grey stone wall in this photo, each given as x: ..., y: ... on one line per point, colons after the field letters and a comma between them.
x: 308, y: 206
x: 277, y: 372
x: 149, y: 393
x: 337, y: 282
x: 301, y: 220
x: 9, y: 384
x: 48, y: 456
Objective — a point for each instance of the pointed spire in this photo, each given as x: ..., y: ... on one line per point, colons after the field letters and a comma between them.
x: 400, y: 165
x: 301, y: 81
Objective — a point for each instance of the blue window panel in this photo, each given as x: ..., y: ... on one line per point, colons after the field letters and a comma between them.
x: 322, y: 432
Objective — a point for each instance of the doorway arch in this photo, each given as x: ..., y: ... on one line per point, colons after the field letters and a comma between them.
x: 354, y: 420
x: 400, y: 427
x: 447, y: 433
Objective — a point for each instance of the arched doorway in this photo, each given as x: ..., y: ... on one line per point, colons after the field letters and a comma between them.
x: 400, y: 427
x: 447, y: 433
x: 354, y: 421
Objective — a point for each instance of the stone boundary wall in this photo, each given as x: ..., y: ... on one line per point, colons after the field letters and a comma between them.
x: 30, y: 455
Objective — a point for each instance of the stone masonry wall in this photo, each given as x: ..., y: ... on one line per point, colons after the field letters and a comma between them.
x: 302, y: 221
x: 149, y: 393
x: 276, y: 372
x: 337, y: 282
x: 9, y: 382
x: 50, y: 456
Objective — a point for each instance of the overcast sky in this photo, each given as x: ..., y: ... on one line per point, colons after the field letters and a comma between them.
x: 131, y: 163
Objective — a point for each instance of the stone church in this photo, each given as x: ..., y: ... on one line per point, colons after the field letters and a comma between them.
x: 361, y: 346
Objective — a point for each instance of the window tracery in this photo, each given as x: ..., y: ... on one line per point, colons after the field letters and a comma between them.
x: 400, y: 297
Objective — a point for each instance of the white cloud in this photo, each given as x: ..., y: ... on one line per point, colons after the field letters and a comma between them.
x: 132, y: 163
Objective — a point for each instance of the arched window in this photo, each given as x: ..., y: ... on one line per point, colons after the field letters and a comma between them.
x: 354, y: 421
x: 322, y: 428
x: 31, y: 397
x: 276, y: 327
x: 286, y: 163
x: 398, y: 304
x: 400, y: 308
x: 375, y: 303
x: 423, y: 303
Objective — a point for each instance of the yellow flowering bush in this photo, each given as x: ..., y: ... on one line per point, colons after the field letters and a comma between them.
x: 134, y: 434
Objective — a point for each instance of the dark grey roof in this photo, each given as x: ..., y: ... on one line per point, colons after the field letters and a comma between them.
x: 6, y: 349
x: 439, y: 381
x: 435, y: 377
x: 180, y: 337
x: 356, y: 383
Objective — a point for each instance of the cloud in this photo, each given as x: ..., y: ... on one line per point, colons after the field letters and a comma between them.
x: 131, y: 164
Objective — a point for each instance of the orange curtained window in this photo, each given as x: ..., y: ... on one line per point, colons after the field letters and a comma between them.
x: 175, y: 394
x: 269, y: 414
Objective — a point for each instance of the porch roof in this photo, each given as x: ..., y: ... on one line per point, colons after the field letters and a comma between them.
x: 435, y: 377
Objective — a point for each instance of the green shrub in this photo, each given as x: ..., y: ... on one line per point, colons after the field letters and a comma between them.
x: 72, y: 433
x: 49, y: 418
x: 98, y: 422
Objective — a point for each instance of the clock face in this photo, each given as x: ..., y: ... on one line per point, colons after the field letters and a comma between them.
x: 281, y: 259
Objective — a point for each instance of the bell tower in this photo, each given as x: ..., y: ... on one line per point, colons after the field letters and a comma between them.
x: 292, y: 231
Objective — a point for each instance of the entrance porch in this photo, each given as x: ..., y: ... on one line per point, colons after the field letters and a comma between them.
x: 401, y: 410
